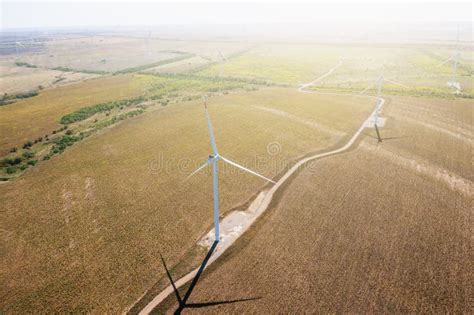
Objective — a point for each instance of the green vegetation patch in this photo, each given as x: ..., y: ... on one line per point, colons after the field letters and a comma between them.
x: 156, y: 64
x: 11, y: 98
x: 66, y: 69
x: 25, y: 64
x: 89, y: 111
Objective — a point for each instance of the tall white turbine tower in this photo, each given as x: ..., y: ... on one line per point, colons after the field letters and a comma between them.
x: 213, y: 161
x: 454, y: 58
x: 378, y: 101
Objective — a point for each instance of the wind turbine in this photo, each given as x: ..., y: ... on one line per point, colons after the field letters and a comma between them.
x: 19, y: 44
x: 213, y: 160
x: 453, y: 83
x: 378, y: 100
x: 383, y: 79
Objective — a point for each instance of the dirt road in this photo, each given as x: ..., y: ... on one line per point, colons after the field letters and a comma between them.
x: 237, y: 222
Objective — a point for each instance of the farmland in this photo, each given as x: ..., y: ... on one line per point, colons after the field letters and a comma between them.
x: 16, y: 79
x: 91, y: 233
x: 100, y: 129
x: 33, y: 117
x: 396, y: 241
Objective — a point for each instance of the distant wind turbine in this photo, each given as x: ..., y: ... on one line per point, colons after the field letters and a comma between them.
x: 383, y: 79
x: 378, y: 83
x: 377, y: 106
x: 19, y: 44
x: 213, y: 160
x: 453, y: 83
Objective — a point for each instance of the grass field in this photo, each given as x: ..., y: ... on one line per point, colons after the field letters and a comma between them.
x: 33, y: 117
x: 115, y: 53
x: 280, y: 64
x: 383, y: 228
x: 295, y: 64
x: 73, y: 239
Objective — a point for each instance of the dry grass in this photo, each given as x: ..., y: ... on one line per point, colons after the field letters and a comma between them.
x: 14, y: 79
x: 438, y: 131
x: 180, y: 66
x: 291, y: 64
x: 84, y: 231
x: 30, y: 118
x: 114, y: 53
x: 372, y: 230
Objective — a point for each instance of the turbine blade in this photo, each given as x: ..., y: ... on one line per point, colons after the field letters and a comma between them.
x: 245, y: 169
x: 197, y: 170
x: 211, y: 132
x: 444, y: 62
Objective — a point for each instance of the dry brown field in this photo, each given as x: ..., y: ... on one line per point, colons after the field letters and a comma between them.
x: 114, y: 53
x: 36, y: 116
x: 382, y: 228
x: 83, y: 231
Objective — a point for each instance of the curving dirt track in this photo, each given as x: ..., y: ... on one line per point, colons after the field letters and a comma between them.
x: 262, y: 201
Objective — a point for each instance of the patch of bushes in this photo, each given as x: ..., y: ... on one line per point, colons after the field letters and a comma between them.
x: 32, y: 162
x: 28, y: 155
x: 215, y: 79
x: 28, y: 144
x: 117, y: 118
x: 10, y: 161
x: 25, y: 64
x: 11, y: 170
x: 156, y: 64
x: 11, y: 98
x: 87, y: 112
x: 62, y: 143
x: 66, y: 69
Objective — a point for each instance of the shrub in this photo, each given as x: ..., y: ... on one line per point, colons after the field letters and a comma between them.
x: 32, y: 162
x: 11, y: 98
x: 11, y: 170
x: 27, y: 144
x: 87, y: 112
x: 156, y: 64
x: 10, y: 161
x: 62, y: 143
x: 69, y: 132
x: 25, y: 64
x: 28, y: 155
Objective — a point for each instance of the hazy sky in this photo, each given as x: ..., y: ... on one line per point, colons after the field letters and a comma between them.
x: 113, y: 13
